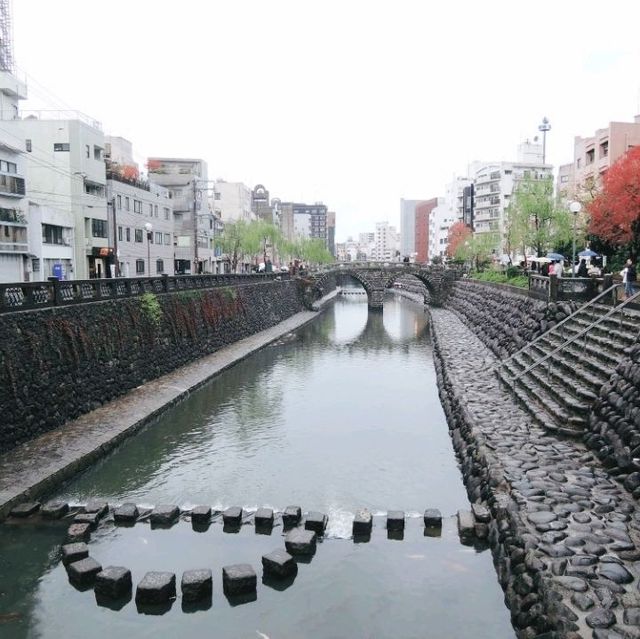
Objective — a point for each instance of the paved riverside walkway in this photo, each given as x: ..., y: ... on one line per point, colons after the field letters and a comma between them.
x: 582, y: 526
x: 37, y: 466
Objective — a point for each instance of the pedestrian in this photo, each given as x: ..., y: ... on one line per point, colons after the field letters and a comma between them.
x: 558, y: 269
x: 629, y: 277
x: 582, y: 269
x: 268, y: 268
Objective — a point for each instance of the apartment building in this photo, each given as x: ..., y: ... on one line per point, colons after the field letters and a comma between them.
x: 421, y: 226
x: 51, y: 241
x: 441, y: 218
x: 408, y: 226
x: 232, y: 201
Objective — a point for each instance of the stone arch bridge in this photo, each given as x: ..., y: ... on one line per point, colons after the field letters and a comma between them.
x: 376, y: 277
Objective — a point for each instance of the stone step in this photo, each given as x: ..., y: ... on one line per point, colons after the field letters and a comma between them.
x: 608, y: 356
x: 598, y: 336
x: 605, y: 328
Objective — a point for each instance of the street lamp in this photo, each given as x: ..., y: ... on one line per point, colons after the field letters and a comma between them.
x: 575, y: 208
x: 543, y: 128
x: 148, y: 227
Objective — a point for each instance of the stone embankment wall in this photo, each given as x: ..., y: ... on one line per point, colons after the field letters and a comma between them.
x: 503, y: 320
x: 614, y: 422
x: 58, y: 363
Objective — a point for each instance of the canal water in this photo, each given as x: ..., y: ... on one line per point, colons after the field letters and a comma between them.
x: 339, y: 415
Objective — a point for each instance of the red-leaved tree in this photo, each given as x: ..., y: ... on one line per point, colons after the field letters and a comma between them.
x: 459, y: 233
x: 615, y: 211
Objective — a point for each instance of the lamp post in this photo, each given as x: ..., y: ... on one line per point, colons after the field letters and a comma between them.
x: 575, y: 208
x: 543, y: 128
x: 148, y: 227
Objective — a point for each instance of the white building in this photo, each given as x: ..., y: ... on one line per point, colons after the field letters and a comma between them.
x: 232, y: 201
x: 441, y: 219
x: 408, y: 226
x: 387, y: 242
x: 66, y: 171
x: 134, y: 203
x: 454, y: 194
x: 302, y: 226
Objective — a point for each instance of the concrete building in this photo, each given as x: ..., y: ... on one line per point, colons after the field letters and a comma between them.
x: 408, y: 226
x: 421, y: 226
x: 232, y: 201
x: 65, y: 164
x: 261, y: 204
x: 312, y: 217
x: 331, y: 232
x: 141, y: 215
x: 195, y: 225
x: 441, y: 219
x: 387, y: 243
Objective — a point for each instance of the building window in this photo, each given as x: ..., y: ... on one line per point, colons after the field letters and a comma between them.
x: 155, y: 211
x: 159, y: 266
x: 137, y: 206
x: 140, y: 266
x: 604, y: 149
x: 167, y: 239
x: 150, y: 210
x: 8, y: 167
x: 61, y: 146
x: 564, y: 179
x: 578, y: 163
x: 158, y: 238
x: 52, y: 234
x: 28, y: 146
x: 138, y: 235
x: 119, y: 202
x: 90, y: 188
x: 167, y: 212
x: 128, y: 234
x: 590, y: 156
x: 216, y: 195
x: 97, y: 153
x: 120, y: 234
x: 126, y: 204
x: 87, y: 149
x: 99, y: 228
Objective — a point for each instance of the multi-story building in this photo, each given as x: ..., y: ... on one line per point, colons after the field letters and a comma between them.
x: 331, y: 232
x: 261, y: 204
x: 233, y: 201
x: 408, y: 226
x: 421, y: 226
x: 195, y: 225
x: 65, y: 164
x: 441, y: 218
x: 141, y: 224
x: 387, y: 243
x: 312, y: 217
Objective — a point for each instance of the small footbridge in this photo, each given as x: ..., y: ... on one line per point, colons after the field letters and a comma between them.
x: 376, y: 277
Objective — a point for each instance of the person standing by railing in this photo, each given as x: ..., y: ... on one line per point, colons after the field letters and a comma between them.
x: 629, y: 277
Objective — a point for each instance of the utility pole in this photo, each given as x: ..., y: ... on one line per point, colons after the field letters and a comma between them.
x: 115, y: 236
x: 195, y: 226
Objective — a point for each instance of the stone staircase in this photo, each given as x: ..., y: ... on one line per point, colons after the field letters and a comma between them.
x: 578, y: 357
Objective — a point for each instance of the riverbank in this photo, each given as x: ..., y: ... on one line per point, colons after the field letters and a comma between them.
x: 564, y: 534
x: 36, y: 467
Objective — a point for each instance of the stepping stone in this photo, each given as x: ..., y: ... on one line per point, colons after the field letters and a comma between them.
x: 614, y: 571
x: 126, y: 514
x: 279, y: 563
x: 395, y: 520
x: 54, y: 509
x: 92, y: 519
x: 541, y: 517
x: 156, y: 587
x: 232, y: 516
x: 362, y: 522
x: 601, y: 618
x: 316, y: 521
x: 113, y: 582
x: 300, y: 542
x: 291, y: 515
x: 238, y: 579
x: 78, y: 532
x: 196, y: 584
x: 481, y: 513
x: 466, y: 524
x: 201, y: 515
x: 83, y: 572
x: 432, y: 518
x: 74, y: 552
x: 25, y: 509
x: 264, y: 518
x: 97, y: 506
x: 164, y: 515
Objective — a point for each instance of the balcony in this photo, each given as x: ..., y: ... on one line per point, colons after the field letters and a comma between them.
x: 13, y: 216
x: 12, y: 186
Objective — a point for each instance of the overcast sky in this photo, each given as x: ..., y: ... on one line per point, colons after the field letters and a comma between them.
x: 356, y: 104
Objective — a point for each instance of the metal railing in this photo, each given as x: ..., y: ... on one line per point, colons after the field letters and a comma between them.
x: 584, y: 332
x: 35, y: 295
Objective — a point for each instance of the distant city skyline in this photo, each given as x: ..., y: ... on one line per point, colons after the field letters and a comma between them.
x: 355, y: 108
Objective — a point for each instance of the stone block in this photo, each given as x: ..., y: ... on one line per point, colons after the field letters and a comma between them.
x: 279, y: 563
x: 92, y: 519
x: 196, y: 584
x: 291, y: 515
x: 316, y: 522
x: 74, y: 552
x: 362, y: 522
x: 264, y: 518
x: 125, y: 514
x: 232, y: 516
x: 201, y: 515
x: 466, y: 525
x: 113, y: 582
x: 96, y: 506
x: 300, y: 542
x: 164, y: 515
x: 481, y: 513
x: 84, y: 571
x: 432, y: 518
x: 156, y: 588
x: 25, y: 509
x: 395, y: 520
x: 78, y: 532
x: 54, y: 509
x: 238, y: 579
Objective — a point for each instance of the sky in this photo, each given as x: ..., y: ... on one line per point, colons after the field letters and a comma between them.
x: 355, y: 104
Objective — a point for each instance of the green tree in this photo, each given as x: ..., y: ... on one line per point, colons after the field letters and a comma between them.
x: 237, y: 241
x: 478, y: 249
x: 264, y: 235
x: 534, y: 221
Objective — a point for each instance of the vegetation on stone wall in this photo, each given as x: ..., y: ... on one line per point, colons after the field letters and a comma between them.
x: 151, y: 309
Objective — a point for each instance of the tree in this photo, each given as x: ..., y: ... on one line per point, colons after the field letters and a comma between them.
x: 478, y: 249
x: 533, y: 219
x: 237, y: 241
x: 458, y: 234
x: 265, y: 235
x: 615, y: 211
